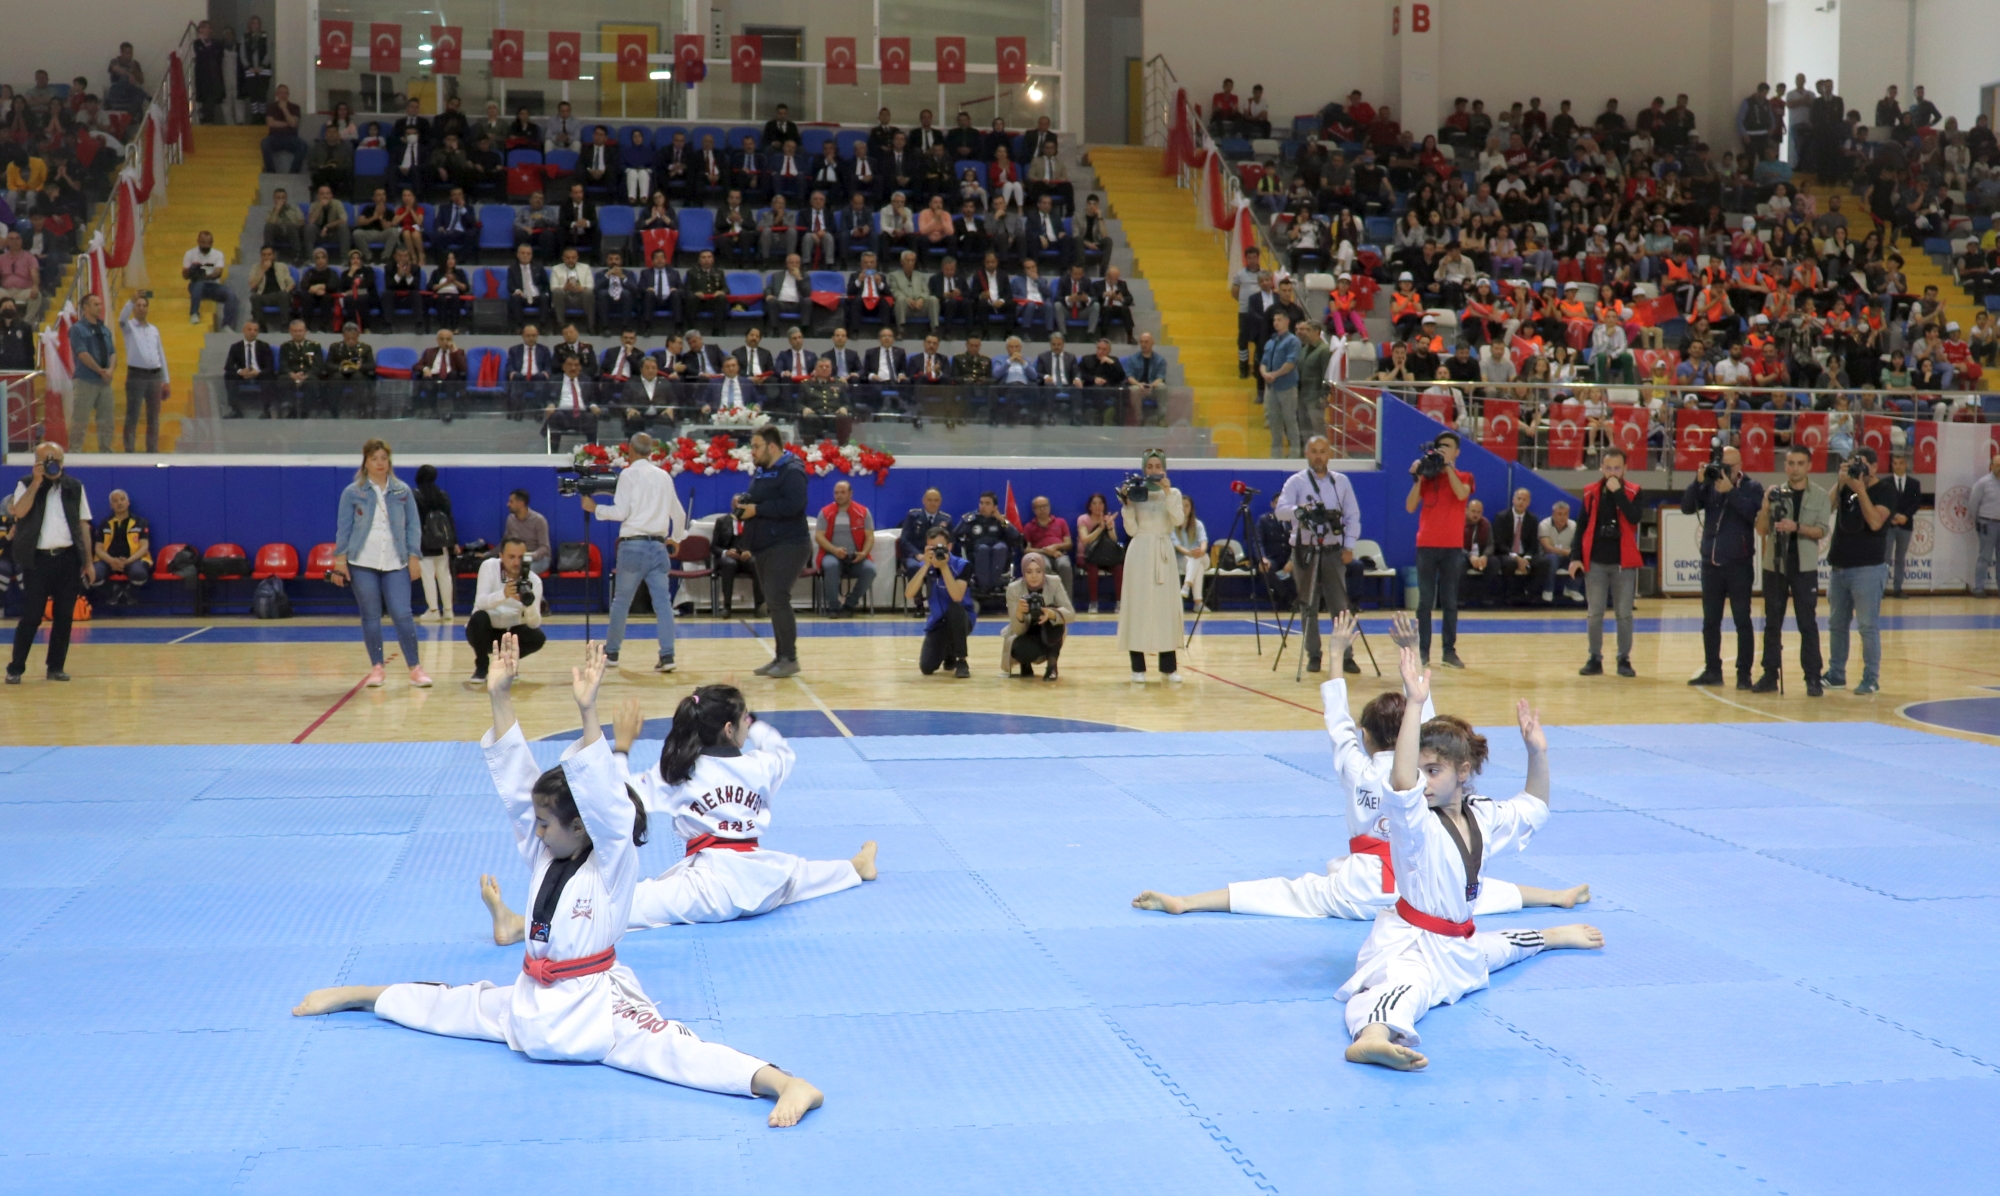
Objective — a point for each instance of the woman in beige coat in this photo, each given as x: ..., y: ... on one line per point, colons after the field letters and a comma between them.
x: 1149, y: 609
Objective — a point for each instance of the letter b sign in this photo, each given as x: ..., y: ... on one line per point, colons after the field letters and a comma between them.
x: 1420, y: 18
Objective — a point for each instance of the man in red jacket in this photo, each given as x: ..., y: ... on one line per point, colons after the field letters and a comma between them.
x: 846, y: 539
x: 1607, y: 558
x: 1439, y: 503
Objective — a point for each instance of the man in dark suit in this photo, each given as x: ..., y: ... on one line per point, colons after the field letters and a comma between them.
x: 1517, y: 550
x: 674, y: 168
x: 963, y: 144
x: 780, y: 128
x: 948, y: 286
x: 647, y: 398
x: 846, y: 360
x: 1076, y: 295
x: 1908, y: 494
x: 454, y: 229
x: 662, y: 292
x: 1044, y: 231
x: 250, y: 372
x: 861, y: 178
x: 883, y: 364
x: 711, y: 169
x: 1114, y: 304
x: 620, y: 364
x: 867, y: 295
x: 753, y: 360
x: 795, y: 361
x: 527, y: 287
x: 788, y: 171
x: 968, y: 235
x: 899, y: 166
x: 931, y: 366
x: 568, y: 406
x: 882, y: 135
x: 746, y: 171
x: 619, y: 294
x: 1057, y: 367
x: 707, y: 295
x: 735, y: 230
x: 440, y: 375
x: 926, y: 134
x: 701, y: 362
x: 530, y: 366
x: 992, y: 294
x: 1031, y: 142
x: 579, y: 221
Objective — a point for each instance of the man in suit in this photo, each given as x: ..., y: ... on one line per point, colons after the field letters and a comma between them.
x: 569, y: 408
x: 647, y: 398
x: 857, y: 228
x: 948, y: 286
x: 449, y: 166
x: 795, y: 361
x: 788, y: 171
x: 663, y: 291
x: 746, y: 170
x: 1908, y: 494
x: 881, y: 134
x: 1005, y: 230
x: 867, y: 294
x: 440, y: 375
x: 1047, y: 179
x: 412, y: 121
x: 926, y: 135
x: 735, y: 230
x: 752, y: 359
x: 702, y: 362
x: 454, y: 228
x: 711, y: 169
x: 579, y: 220
x: 968, y: 235
x: 619, y: 365
x: 846, y: 361
x: 816, y: 243
x: 1057, y: 367
x: 780, y: 128
x: 1035, y: 141
x: 1044, y: 233
x: 1032, y: 311
x: 963, y: 144
x: 1076, y: 295
x: 674, y: 168
x: 619, y: 294
x: 302, y: 363
x: 911, y: 294
x: 530, y: 365
x: 777, y: 232
x: 485, y: 169
x: 527, y: 287
x: 538, y: 225
x: 250, y: 372
x: 931, y: 366
x: 1517, y: 549
x: 732, y: 390
x: 574, y: 287
x: 707, y: 294
x: 565, y: 132
x: 601, y: 164
x: 883, y: 365
x: 1090, y: 235
x: 861, y: 177
x: 571, y: 345
x: 991, y: 294
x: 899, y: 166
x: 1114, y: 301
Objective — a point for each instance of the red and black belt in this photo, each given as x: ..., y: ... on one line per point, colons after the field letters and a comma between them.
x: 548, y: 971
x: 1379, y: 848
x: 1432, y: 923
x: 704, y: 842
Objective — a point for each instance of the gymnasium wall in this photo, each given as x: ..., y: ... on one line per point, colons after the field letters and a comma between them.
x: 81, y: 36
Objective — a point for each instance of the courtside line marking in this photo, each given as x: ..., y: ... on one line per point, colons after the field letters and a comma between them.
x: 1703, y: 691
x: 190, y: 635
x: 823, y: 707
x: 1260, y: 693
x: 331, y: 710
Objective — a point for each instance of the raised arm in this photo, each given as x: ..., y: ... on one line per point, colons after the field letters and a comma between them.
x: 508, y: 759
x: 769, y: 749
x: 1537, y: 743
x: 1404, y: 776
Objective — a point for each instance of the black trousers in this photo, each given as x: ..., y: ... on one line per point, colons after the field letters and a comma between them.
x: 482, y: 635
x: 944, y: 642
x: 726, y: 568
x: 1801, y: 591
x: 1438, y: 574
x: 1041, y: 642
x: 1719, y: 583
x: 778, y: 569
x: 46, y: 576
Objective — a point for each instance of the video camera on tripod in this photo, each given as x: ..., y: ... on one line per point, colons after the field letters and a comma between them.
x: 572, y: 482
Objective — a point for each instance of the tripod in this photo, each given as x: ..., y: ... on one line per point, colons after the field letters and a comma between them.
x: 1253, y: 554
x: 1307, y: 556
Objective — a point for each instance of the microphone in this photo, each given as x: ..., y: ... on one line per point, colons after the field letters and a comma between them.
x: 1238, y: 487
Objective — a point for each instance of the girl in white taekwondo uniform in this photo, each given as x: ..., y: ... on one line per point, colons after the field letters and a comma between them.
x: 580, y: 829
x: 1425, y: 950
x: 719, y: 770
x: 1362, y: 883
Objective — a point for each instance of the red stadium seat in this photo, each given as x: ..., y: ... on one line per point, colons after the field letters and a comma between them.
x: 276, y: 560
x: 319, y: 562
x: 596, y: 566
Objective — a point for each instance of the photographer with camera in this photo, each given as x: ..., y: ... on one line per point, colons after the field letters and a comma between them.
x: 1324, y: 515
x: 1607, y: 559
x: 645, y: 503
x: 1149, y: 608
x: 1727, y: 499
x: 507, y: 602
x: 952, y: 611
x: 1862, y: 504
x: 1439, y: 491
x: 1794, y: 519
x: 51, y: 557
x: 773, y: 512
x: 1039, y: 609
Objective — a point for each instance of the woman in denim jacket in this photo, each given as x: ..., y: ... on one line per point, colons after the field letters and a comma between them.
x: 379, y: 541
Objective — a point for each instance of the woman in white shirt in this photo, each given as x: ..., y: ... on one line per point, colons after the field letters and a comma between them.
x: 379, y: 538
x: 1191, y: 545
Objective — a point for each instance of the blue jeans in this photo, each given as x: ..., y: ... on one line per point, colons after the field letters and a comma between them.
x: 284, y: 143
x: 1855, y: 596
x: 374, y: 589
x: 642, y: 562
x: 860, y: 571
x: 200, y: 289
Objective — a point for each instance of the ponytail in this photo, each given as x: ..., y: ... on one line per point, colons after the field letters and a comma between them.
x: 1453, y: 741
x: 699, y: 722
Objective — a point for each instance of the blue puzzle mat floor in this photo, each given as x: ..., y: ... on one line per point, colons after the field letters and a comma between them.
x: 1796, y: 995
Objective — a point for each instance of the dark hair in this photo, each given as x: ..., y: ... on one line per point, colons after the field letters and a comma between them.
x: 1454, y: 742
x: 505, y: 541
x: 986, y: 494
x: 1612, y: 452
x: 938, y: 532
x: 520, y: 494
x: 1382, y: 719
x: 770, y: 433
x: 426, y: 475
x: 699, y: 722
x: 1099, y: 499
x: 552, y: 790
x: 1442, y: 436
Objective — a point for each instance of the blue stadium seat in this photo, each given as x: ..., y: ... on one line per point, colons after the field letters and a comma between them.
x: 562, y: 161
x: 496, y: 229
x: 664, y: 136
x: 394, y: 357
x: 616, y: 224
x: 697, y: 229
x: 810, y: 141
x: 521, y: 157
x: 747, y: 282
x: 846, y: 140
x: 475, y: 360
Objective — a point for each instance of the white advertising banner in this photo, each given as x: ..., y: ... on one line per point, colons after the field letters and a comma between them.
x: 1680, y: 555
x: 1962, y: 455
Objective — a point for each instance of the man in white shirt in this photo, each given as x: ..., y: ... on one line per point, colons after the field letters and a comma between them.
x: 146, y: 381
x: 204, y: 268
x: 51, y: 557
x: 574, y: 288
x: 570, y: 409
x: 508, y: 601
x: 645, y: 503
x: 1733, y: 370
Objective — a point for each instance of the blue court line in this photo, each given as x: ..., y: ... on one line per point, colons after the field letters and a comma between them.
x: 702, y: 628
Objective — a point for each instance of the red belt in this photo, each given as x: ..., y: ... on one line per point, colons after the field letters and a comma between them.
x: 704, y: 842
x: 1379, y: 848
x: 548, y: 971
x: 1432, y: 923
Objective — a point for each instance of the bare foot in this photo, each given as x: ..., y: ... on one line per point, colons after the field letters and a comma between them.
x: 1576, y: 935
x: 1372, y: 1045
x: 336, y: 1000
x: 1571, y: 898
x: 795, y: 1097
x: 1159, y: 902
x: 508, y: 927
x: 864, y: 860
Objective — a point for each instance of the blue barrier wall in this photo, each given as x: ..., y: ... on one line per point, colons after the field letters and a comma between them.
x: 1404, y: 432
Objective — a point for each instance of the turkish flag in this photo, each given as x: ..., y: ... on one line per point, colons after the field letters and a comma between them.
x: 1012, y: 55
x: 336, y: 45
x: 1757, y: 436
x: 1693, y: 430
x: 1875, y: 435
x: 632, y: 67
x: 1809, y: 432
x: 746, y: 58
x: 1360, y: 421
x: 1649, y: 313
x: 446, y: 42
x: 840, y: 61
x: 1628, y: 431
x: 951, y: 60
x: 1923, y: 446
x: 565, y: 55
x: 894, y: 59
x: 1502, y: 435
x: 507, y: 49
x: 689, y: 64
x: 385, y: 49
x: 1566, y: 436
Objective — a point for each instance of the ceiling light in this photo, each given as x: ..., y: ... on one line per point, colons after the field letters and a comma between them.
x: 1034, y: 93
x: 660, y: 76
x: 425, y: 48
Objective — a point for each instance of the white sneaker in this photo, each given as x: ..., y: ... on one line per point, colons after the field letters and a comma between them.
x: 195, y: 319
x: 1175, y: 679
x: 1138, y: 678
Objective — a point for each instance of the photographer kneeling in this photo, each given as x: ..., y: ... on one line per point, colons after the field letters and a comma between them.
x: 1041, y: 611
x: 952, y: 612
x: 1859, y: 555
x: 508, y: 601
x: 1728, y: 501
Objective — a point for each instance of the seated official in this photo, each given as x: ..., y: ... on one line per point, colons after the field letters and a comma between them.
x: 845, y: 534
x: 729, y: 556
x: 1274, y: 537
x: 1517, y: 551
x: 1047, y: 535
x: 1036, y: 629
x: 123, y: 546
x: 985, y: 538
x: 946, y: 579
x: 509, y: 599
x: 916, y: 531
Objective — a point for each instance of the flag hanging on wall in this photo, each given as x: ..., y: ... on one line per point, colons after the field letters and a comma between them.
x: 1011, y: 53
x: 894, y: 59
x: 385, y: 49
x: 840, y: 62
x: 565, y: 55
x: 951, y: 60
x: 507, y: 50
x: 446, y: 45
x: 689, y: 64
x: 336, y: 45
x: 632, y: 66
x: 746, y: 58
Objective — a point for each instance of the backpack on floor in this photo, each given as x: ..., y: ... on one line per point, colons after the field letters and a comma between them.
x: 270, y: 600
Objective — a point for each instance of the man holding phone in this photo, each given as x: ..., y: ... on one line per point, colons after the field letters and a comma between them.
x: 51, y: 540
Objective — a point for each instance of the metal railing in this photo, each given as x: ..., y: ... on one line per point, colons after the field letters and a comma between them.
x: 1161, y: 85
x: 19, y: 391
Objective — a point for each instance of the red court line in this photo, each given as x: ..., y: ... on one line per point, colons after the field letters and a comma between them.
x: 331, y: 710
x: 1226, y: 681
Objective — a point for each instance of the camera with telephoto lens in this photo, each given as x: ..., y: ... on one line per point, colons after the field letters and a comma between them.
x: 1432, y: 463
x: 1714, y: 468
x: 572, y: 483
x: 1322, y: 522
x: 1136, y: 488
x: 1035, y: 606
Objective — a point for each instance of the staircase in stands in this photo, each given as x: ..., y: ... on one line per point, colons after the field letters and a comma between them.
x: 1187, y: 267
x: 209, y: 190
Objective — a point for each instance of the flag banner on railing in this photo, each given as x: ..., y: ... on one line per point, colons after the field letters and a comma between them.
x: 1566, y: 424
x: 1756, y: 439
x: 1501, y: 435
x: 1693, y: 430
x: 1011, y: 54
x: 179, y: 130
x: 1809, y: 431
x: 1923, y: 446
x: 565, y: 56
x: 690, y: 67
x: 893, y: 55
x: 447, y: 49
x: 58, y: 368
x: 336, y: 45
x: 951, y: 60
x: 1244, y: 237
x: 1875, y: 435
x: 1358, y: 422
x: 149, y: 154
x: 632, y: 64
x: 1219, y: 213
x: 746, y: 58
x: 385, y: 48
x: 509, y: 48
x: 1628, y: 431
x: 840, y: 62
x: 125, y: 221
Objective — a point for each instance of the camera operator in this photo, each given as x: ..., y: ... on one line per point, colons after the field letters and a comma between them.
x: 916, y: 530
x: 1040, y: 610
x: 653, y: 520
x: 1727, y: 500
x: 508, y: 602
x: 1325, y: 518
x: 1439, y: 490
x: 1862, y: 503
x: 952, y: 609
x: 773, y: 512
x: 1607, y: 559
x: 51, y: 557
x: 1795, y: 518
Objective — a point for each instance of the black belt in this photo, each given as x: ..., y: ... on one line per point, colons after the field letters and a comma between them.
x: 142, y: 369
x: 54, y: 551
x: 654, y: 539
